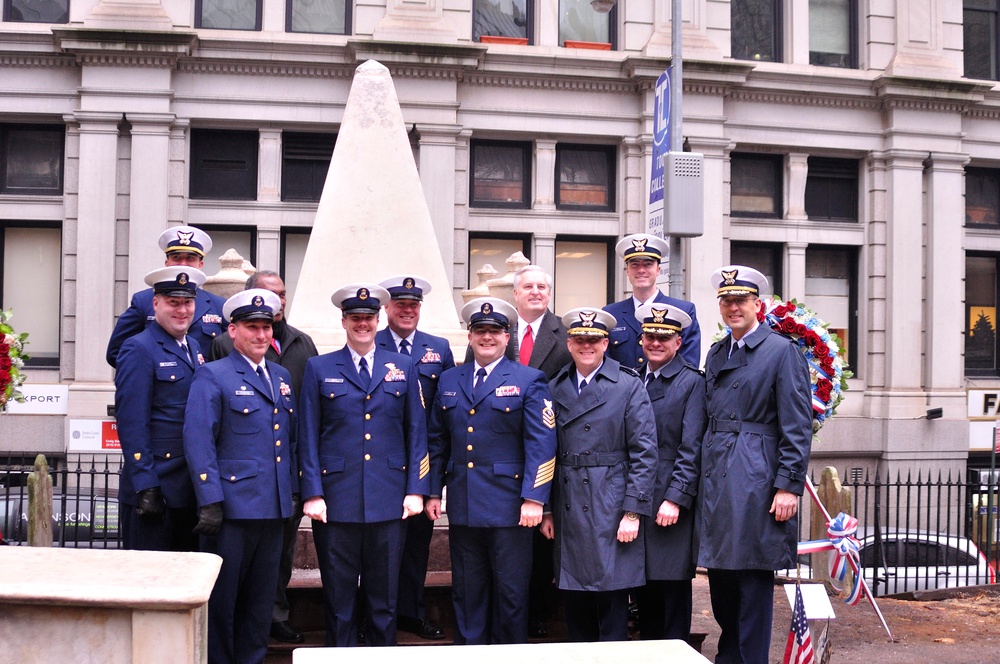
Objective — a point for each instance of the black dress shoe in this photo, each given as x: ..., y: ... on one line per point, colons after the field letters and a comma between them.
x: 422, y: 628
x: 537, y: 630
x: 282, y: 631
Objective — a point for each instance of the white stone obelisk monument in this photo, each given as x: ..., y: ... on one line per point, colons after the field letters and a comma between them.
x: 372, y: 221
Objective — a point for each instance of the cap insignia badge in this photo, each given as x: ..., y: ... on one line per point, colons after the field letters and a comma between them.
x: 408, y: 283
x: 730, y: 277
x: 362, y: 293
x: 659, y: 315
x: 587, y: 318
x: 185, y: 238
x: 258, y: 301
x: 182, y: 278
x: 487, y: 308
x: 640, y: 244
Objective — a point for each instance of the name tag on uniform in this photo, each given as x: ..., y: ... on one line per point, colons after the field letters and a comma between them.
x: 168, y: 364
x: 245, y: 393
x: 508, y: 391
x: 449, y: 394
x: 333, y: 380
x: 150, y: 317
x: 619, y: 329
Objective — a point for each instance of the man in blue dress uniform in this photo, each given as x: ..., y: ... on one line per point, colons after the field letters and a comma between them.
x: 753, y: 460
x: 184, y: 246
x: 154, y: 376
x: 364, y: 454
x: 492, y: 441
x: 606, y: 467
x: 431, y: 356
x: 677, y: 394
x: 240, y: 442
x: 642, y: 254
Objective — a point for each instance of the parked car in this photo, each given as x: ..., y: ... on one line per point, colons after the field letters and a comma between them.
x: 899, y: 561
x: 78, y: 521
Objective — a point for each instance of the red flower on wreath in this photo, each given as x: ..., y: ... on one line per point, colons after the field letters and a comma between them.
x: 4, y: 377
x: 780, y: 311
x: 5, y: 362
x: 4, y: 347
x: 821, y: 350
x: 801, y: 329
x: 788, y: 325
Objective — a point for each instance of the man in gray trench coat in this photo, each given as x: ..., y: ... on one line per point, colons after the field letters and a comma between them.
x: 754, y: 461
x: 606, y: 466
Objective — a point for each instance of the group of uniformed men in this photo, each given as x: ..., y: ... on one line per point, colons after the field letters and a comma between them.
x: 596, y: 431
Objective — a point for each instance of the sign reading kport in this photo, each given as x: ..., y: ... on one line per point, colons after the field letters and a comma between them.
x: 93, y: 436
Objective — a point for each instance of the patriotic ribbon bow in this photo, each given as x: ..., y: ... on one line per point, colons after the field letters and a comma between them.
x: 845, y: 547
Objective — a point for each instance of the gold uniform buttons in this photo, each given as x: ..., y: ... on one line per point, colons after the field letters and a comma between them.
x: 232, y: 478
x: 173, y: 377
x: 368, y: 416
x: 331, y: 395
x: 507, y: 409
x: 472, y: 412
x: 367, y: 397
x: 275, y: 411
x: 246, y: 410
x: 277, y: 426
x: 278, y: 444
x: 368, y: 436
x: 471, y: 429
x: 168, y: 455
x: 368, y: 457
x: 471, y: 464
x: 469, y: 447
x: 278, y: 460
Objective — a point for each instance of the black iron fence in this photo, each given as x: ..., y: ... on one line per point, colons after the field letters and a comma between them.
x: 918, y: 531
x: 84, y: 499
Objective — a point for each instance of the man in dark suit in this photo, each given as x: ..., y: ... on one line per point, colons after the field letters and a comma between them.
x: 642, y: 254
x: 290, y: 347
x: 154, y: 376
x: 240, y: 442
x: 432, y: 357
x: 677, y: 394
x: 364, y: 454
x: 185, y: 246
x: 492, y: 441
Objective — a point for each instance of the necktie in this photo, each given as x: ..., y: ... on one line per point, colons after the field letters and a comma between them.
x: 583, y: 384
x: 267, y: 383
x: 366, y: 377
x: 187, y: 351
x: 276, y: 346
x: 404, y: 347
x: 527, y: 345
x: 480, y: 379
x: 649, y: 378
x: 733, y: 347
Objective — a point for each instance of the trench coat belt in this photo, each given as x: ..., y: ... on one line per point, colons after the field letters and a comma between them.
x: 736, y: 426
x: 593, y: 460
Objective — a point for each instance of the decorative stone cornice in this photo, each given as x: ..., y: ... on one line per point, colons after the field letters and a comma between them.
x: 513, y: 80
x: 229, y: 67
x: 420, y: 55
x: 124, y: 48
x: 35, y: 60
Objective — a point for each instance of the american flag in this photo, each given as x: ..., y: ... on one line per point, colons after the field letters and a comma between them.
x: 799, y: 648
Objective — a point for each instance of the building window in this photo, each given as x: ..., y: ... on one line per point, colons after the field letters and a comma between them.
x: 583, y: 276
x: 581, y: 26
x: 228, y: 14
x: 831, y: 291
x: 755, y: 29
x: 31, y: 159
x: 494, y: 250
x: 982, y: 196
x: 293, y: 253
x: 832, y: 189
x: 305, y: 161
x: 756, y: 185
x: 503, y: 21
x: 585, y: 177
x: 765, y: 257
x: 36, y: 11
x: 501, y: 174
x: 981, y: 315
x: 224, y: 164
x: 330, y: 17
x: 979, y: 30
x: 832, y: 33
x: 241, y: 238
x: 33, y: 249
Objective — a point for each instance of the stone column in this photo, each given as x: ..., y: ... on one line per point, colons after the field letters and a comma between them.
x: 269, y: 166
x: 545, y: 175
x: 945, y: 293
x: 798, y: 173
x: 94, y: 259
x: 637, y: 155
x: 795, y: 272
x: 438, y: 146
x: 268, y: 248
x: 927, y: 45
x: 543, y: 252
x: 904, y: 270
x: 148, y: 193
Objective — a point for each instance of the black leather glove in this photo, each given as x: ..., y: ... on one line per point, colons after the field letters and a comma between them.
x: 152, y: 506
x: 296, y: 506
x: 209, y: 519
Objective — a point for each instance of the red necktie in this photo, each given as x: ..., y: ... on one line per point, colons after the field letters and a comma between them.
x: 275, y: 346
x: 527, y: 345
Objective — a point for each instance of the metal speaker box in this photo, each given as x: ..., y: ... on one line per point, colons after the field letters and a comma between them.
x: 684, y: 194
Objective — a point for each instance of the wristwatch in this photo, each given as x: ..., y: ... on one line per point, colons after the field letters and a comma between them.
x: 631, y: 516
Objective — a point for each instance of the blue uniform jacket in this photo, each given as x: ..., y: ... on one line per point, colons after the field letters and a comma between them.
x: 677, y: 396
x: 493, y: 451
x: 208, y: 321
x: 758, y: 440
x: 240, y: 443
x: 432, y: 356
x: 151, y: 390
x: 363, y: 449
x: 625, y: 337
